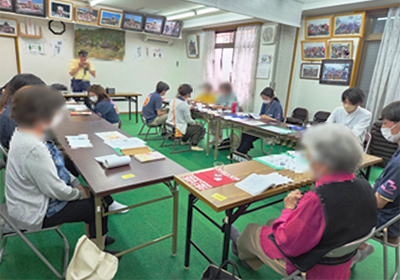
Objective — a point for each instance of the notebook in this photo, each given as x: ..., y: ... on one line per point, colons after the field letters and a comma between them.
x: 255, y: 184
x: 149, y: 157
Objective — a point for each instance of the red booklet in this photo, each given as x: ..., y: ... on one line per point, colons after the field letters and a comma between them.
x: 205, y: 180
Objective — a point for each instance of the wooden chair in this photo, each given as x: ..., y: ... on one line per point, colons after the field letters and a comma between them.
x: 171, y: 135
x: 149, y: 128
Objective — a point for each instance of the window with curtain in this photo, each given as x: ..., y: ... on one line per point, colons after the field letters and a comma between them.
x: 223, y: 53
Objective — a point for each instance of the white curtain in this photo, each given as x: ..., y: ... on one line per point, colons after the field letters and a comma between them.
x: 245, y: 64
x: 209, y: 55
x: 385, y: 85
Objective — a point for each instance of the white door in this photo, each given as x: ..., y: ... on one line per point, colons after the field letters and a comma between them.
x: 8, y: 59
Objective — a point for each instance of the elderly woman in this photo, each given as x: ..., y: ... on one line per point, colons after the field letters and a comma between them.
x: 341, y: 209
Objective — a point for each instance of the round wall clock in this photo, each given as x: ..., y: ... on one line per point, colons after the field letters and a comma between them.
x: 268, y: 34
x: 57, y: 27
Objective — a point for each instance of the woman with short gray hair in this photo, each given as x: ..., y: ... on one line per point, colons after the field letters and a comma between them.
x: 341, y: 209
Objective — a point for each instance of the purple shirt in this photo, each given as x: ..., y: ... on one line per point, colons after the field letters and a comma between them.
x: 298, y: 231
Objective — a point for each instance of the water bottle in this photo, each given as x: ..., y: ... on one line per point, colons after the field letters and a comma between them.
x: 234, y: 104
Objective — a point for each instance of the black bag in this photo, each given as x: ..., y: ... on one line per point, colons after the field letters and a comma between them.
x: 214, y: 272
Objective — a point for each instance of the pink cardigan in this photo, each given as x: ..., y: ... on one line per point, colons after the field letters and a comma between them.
x: 298, y: 231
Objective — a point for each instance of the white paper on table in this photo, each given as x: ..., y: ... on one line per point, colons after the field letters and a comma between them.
x: 79, y: 141
x: 255, y: 122
x: 110, y: 135
x: 255, y: 116
x: 112, y: 161
x: 77, y: 107
x: 126, y: 143
x: 255, y: 184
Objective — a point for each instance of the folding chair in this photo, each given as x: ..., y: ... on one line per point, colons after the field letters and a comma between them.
x: 119, y: 124
x: 170, y: 135
x: 149, y: 128
x: 381, y: 235
x: 335, y: 253
x: 15, y: 231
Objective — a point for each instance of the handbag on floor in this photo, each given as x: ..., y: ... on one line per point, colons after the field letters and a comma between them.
x: 214, y: 272
x: 90, y: 263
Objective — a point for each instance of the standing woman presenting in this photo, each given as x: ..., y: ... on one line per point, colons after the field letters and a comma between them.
x: 80, y: 70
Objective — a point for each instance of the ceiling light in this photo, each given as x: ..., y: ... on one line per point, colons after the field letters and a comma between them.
x: 183, y: 15
x: 95, y: 2
x: 206, y: 11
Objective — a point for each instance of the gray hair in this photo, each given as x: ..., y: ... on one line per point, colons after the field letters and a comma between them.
x: 335, y: 145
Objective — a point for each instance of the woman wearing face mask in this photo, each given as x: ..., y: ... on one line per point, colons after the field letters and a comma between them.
x: 351, y: 114
x: 101, y: 104
x: 271, y: 110
x: 36, y: 195
x: 387, y: 186
x: 339, y: 210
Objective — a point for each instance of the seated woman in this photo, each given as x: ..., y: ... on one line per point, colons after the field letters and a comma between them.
x: 387, y: 186
x: 179, y: 116
x: 101, y: 104
x: 271, y: 110
x: 207, y: 95
x: 341, y: 209
x: 36, y: 196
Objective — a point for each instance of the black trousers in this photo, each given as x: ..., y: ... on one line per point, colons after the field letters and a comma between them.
x: 247, y: 143
x: 77, y: 211
x: 195, y: 133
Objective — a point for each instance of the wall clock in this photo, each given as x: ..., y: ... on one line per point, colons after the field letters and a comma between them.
x: 57, y: 27
x: 268, y: 34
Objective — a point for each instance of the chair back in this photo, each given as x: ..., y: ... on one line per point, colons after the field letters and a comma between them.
x: 144, y: 121
x: 170, y: 129
x: 321, y: 116
x: 367, y: 141
x: 301, y: 114
x: 349, y: 247
x: 379, y: 146
x: 119, y: 124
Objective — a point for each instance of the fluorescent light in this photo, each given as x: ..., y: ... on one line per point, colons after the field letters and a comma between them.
x: 95, y: 2
x: 382, y: 18
x: 206, y: 11
x: 183, y: 15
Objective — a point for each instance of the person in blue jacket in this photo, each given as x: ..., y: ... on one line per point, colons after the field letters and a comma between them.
x: 271, y: 110
x: 101, y: 104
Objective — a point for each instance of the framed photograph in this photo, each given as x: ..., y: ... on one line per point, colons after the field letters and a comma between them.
x: 110, y: 18
x: 318, y: 27
x: 31, y: 7
x: 7, y: 5
x: 60, y: 10
x: 8, y: 27
x: 313, y: 50
x: 86, y: 15
x: 336, y: 72
x: 192, y: 46
x: 154, y: 24
x: 340, y: 49
x: 173, y: 28
x: 349, y: 25
x: 310, y: 71
x: 133, y: 21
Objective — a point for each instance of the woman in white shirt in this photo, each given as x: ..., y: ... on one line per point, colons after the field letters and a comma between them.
x: 179, y: 116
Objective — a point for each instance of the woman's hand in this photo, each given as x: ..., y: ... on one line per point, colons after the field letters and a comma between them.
x: 292, y: 199
x: 266, y: 118
x: 84, y: 191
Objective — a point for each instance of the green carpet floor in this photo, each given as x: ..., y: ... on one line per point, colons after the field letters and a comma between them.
x: 148, y: 222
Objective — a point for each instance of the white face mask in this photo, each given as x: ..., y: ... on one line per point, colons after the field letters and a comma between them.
x: 387, y: 133
x: 93, y: 99
x: 266, y: 101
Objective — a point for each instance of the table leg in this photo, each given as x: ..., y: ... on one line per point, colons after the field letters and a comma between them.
x: 227, y: 235
x: 137, y: 108
x: 130, y: 110
x: 217, y: 138
x: 98, y: 221
x: 189, y: 229
x: 208, y: 138
x: 175, y: 219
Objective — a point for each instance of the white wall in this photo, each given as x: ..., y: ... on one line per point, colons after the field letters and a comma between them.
x: 310, y: 94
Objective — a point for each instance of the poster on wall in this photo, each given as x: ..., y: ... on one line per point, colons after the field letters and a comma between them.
x: 336, y: 72
x: 100, y: 43
x: 137, y: 52
x: 349, y: 25
x: 34, y: 47
x: 340, y: 49
x: 156, y: 53
x: 58, y: 48
x: 263, y: 66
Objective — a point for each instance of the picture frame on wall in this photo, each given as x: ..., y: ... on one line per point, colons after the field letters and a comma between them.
x: 86, y: 15
x: 173, y: 28
x: 318, y: 27
x: 61, y: 10
x: 133, y: 21
x: 192, y: 46
x: 110, y: 18
x: 313, y: 50
x: 7, y: 5
x: 154, y: 24
x: 349, y: 25
x: 340, y: 49
x: 8, y: 27
x: 30, y: 7
x: 336, y: 72
x: 310, y: 71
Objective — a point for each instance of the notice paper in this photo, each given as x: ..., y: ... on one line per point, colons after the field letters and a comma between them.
x: 110, y: 135
x: 126, y: 143
x: 79, y: 141
x: 295, y: 162
x: 77, y: 107
x: 255, y: 184
x: 112, y: 161
x: 277, y: 129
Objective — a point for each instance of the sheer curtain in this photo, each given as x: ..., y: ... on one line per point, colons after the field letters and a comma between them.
x: 385, y: 85
x: 209, y: 55
x: 245, y: 58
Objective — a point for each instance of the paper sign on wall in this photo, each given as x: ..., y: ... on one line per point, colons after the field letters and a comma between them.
x: 156, y: 53
x: 137, y: 52
x: 34, y: 47
x: 263, y: 66
x: 58, y: 48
